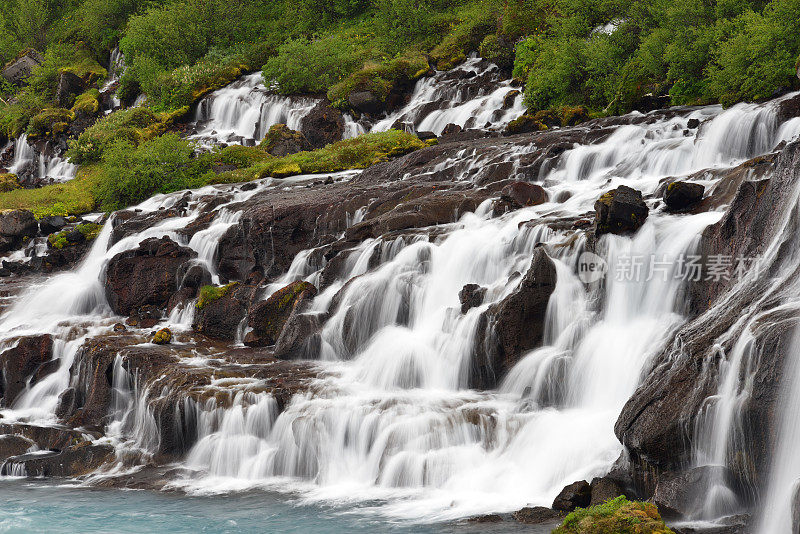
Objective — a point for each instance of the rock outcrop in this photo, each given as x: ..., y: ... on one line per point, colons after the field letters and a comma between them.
x: 620, y: 211
x: 514, y: 325
x: 268, y: 318
x: 22, y: 363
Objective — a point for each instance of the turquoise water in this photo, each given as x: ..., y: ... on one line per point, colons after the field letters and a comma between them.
x: 32, y: 506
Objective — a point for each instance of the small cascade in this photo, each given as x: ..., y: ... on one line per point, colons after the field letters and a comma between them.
x: 36, y: 168
x: 472, y: 95
x: 242, y: 112
x: 116, y: 67
x: 132, y: 422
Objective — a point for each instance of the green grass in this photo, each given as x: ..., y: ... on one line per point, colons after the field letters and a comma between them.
x: 616, y: 516
x: 74, y: 197
x: 90, y: 232
x: 357, y: 153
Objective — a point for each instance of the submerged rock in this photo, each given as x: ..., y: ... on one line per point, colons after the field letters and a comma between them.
x: 534, y: 515
x: 620, y: 211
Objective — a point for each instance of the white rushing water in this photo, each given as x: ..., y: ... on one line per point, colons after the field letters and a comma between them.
x: 39, y: 166
x: 394, y: 422
x: 456, y: 99
x: 242, y: 112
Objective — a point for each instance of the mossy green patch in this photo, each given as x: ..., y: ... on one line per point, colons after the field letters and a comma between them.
x: 209, y: 294
x: 90, y: 231
x: 74, y: 197
x: 242, y: 156
x: 357, y: 153
x: 616, y: 516
x: 466, y: 33
x: 8, y: 182
x: 380, y: 78
x: 87, y: 103
x: 162, y: 337
x: 50, y: 121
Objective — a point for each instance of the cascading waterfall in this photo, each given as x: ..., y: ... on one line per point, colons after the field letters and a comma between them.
x: 30, y: 165
x: 455, y: 100
x: 242, y: 112
x: 393, y: 418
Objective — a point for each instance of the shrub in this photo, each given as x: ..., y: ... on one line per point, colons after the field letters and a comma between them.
x: 380, y: 78
x: 87, y: 103
x: 50, y: 121
x: 616, y: 516
x: 132, y: 174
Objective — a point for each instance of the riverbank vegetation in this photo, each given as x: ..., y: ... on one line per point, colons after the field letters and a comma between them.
x: 607, y: 56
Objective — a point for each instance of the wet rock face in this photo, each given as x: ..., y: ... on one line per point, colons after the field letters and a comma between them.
x: 576, y: 495
x: 604, y: 489
x: 514, y: 325
x: 13, y: 445
x: 16, y: 226
x: 365, y: 102
x: 282, y: 141
x: 471, y: 296
x: 680, y: 495
x: 620, y: 211
x: 221, y: 318
x: 518, y: 195
x: 20, y: 363
x: 268, y: 318
x: 146, y: 275
x: 323, y: 125
x: 535, y: 515
x: 74, y: 461
x: 683, y: 195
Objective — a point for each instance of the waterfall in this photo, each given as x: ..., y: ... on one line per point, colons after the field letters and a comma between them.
x: 30, y: 165
x: 471, y: 95
x: 242, y: 112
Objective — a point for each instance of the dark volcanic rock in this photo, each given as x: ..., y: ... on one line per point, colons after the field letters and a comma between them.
x: 471, y: 296
x: 268, y: 318
x: 681, y: 495
x: 13, y: 445
x: 365, y: 102
x: 16, y: 226
x: 683, y: 195
x: 220, y: 318
x: 19, y: 363
x: 323, y: 125
x: 522, y: 194
x: 620, y: 211
x: 534, y: 515
x: 145, y: 275
x: 50, y: 224
x: 576, y: 495
x: 69, y: 85
x: 514, y: 325
x: 299, y: 339
x: 283, y: 141
x: 74, y: 461
x: 604, y: 489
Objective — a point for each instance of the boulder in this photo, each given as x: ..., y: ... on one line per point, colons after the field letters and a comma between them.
x: 51, y: 224
x: 282, y: 141
x: 20, y: 69
x: 19, y: 363
x: 220, y: 315
x: 69, y: 86
x: 267, y: 318
x: 15, y: 227
x: 682, y: 494
x: 162, y: 337
x: 299, y: 339
x: 682, y: 195
x: 576, y: 495
x: 146, y: 275
x: 604, y: 489
x: 77, y: 460
x: 514, y: 325
x: 534, y: 515
x: 13, y: 445
x: 323, y: 125
x: 452, y: 129
x: 365, y: 102
x: 620, y: 211
x: 471, y: 296
x: 193, y: 276
x: 518, y: 195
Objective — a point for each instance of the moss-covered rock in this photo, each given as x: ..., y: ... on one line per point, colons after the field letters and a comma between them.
x: 617, y: 516
x: 81, y: 233
x: 209, y: 294
x: 87, y: 103
x: 8, y: 182
x: 466, y: 35
x: 282, y: 141
x: 524, y: 124
x: 50, y: 121
x: 163, y: 337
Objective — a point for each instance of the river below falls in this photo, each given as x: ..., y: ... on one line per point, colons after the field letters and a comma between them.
x: 39, y: 506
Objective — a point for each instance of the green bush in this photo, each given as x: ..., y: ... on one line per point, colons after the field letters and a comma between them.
x: 133, y: 174
x: 380, y: 78
x: 50, y: 121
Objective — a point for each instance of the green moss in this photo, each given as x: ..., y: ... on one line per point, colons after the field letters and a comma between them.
x: 356, y: 153
x: 162, y: 337
x: 90, y: 231
x: 209, y: 294
x: 616, y: 516
x: 134, y: 125
x: 87, y: 103
x: 465, y: 35
x: 8, y: 182
x: 50, y: 121
x: 242, y: 156
x: 380, y: 78
x: 279, y: 133
x: 74, y: 197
